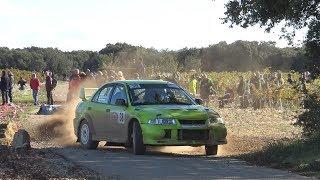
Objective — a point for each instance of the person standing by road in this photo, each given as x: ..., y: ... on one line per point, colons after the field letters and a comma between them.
x: 49, y: 88
x: 10, y: 85
x: 193, y: 85
x: 279, y: 89
x: 75, y: 83
x: 4, y: 86
x: 205, y: 88
x: 120, y: 76
x: 22, y: 83
x: 35, y: 86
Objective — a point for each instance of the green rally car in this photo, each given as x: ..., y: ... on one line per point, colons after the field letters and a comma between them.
x: 136, y: 113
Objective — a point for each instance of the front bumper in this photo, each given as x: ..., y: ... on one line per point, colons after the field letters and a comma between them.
x: 213, y: 134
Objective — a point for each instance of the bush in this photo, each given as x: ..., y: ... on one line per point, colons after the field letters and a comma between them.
x: 309, y: 120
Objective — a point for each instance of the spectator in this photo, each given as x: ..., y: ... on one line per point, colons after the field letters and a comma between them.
x: 112, y: 78
x: 227, y: 98
x: 100, y: 78
x: 22, y: 84
x: 83, y: 76
x: 136, y: 76
x: 176, y: 77
x: 307, y: 76
x: 120, y: 76
x: 289, y: 80
x: 10, y: 85
x: 193, y: 85
x: 105, y: 75
x: 241, y: 92
x: 205, y: 88
x: 74, y: 84
x: 4, y: 86
x: 89, y: 74
x: 158, y: 77
x: 279, y: 88
x: 35, y: 86
x: 255, y: 79
x: 54, y: 81
x: 142, y: 68
x: 49, y: 88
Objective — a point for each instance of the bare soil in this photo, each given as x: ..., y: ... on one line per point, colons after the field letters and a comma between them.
x: 39, y: 164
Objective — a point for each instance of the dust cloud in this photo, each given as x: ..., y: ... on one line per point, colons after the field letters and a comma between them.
x: 58, y: 128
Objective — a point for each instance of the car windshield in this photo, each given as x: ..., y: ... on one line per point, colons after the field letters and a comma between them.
x: 157, y: 94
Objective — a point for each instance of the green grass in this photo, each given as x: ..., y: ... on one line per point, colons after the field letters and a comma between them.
x: 301, y: 156
x: 25, y: 96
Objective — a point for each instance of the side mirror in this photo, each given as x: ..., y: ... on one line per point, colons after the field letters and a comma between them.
x: 121, y: 102
x: 199, y: 101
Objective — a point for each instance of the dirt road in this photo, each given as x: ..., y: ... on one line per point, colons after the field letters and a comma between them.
x: 117, y: 163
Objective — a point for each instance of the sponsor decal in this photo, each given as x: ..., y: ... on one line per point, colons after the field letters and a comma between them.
x: 134, y: 86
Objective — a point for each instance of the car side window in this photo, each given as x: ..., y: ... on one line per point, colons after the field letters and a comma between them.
x: 118, y: 93
x: 104, y: 95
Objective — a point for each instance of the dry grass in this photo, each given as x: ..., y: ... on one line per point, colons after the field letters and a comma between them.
x: 251, y: 130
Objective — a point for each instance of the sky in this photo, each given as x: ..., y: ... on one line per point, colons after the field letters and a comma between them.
x: 91, y: 24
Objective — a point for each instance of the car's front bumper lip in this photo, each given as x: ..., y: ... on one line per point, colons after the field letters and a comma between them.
x: 170, y: 142
x: 156, y: 135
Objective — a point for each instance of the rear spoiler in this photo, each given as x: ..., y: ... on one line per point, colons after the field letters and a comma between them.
x: 86, y: 93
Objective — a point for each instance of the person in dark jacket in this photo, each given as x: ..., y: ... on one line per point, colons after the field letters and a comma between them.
x: 205, y: 88
x: 10, y: 85
x: 22, y: 84
x: 4, y: 86
x: 49, y: 88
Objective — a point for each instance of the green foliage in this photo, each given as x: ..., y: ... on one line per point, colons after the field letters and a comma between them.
x: 299, y: 155
x: 309, y: 120
x: 237, y: 56
x: 290, y: 14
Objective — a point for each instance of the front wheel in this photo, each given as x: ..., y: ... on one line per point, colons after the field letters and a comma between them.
x: 86, y: 136
x: 211, y: 150
x: 138, y: 147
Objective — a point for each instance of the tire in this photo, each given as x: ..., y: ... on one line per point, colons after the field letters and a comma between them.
x: 138, y: 147
x: 211, y: 150
x: 85, y: 136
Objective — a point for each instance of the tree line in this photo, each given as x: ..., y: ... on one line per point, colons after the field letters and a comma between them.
x: 237, y: 56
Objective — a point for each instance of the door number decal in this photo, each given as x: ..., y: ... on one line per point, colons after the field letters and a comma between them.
x: 119, y: 117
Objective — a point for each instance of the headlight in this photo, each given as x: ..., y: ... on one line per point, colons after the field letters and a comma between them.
x: 216, y: 120
x: 162, y: 121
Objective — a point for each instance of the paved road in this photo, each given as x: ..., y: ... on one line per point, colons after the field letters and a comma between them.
x: 116, y: 163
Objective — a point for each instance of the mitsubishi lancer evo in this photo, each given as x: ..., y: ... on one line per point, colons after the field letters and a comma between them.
x: 140, y: 113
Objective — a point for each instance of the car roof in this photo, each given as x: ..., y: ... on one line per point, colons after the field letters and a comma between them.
x: 142, y: 82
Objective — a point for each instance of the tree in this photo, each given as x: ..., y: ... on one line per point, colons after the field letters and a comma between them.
x: 94, y: 62
x: 295, y: 14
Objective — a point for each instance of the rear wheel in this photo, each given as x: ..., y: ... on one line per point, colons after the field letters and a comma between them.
x: 211, y: 149
x: 138, y: 147
x: 86, y: 136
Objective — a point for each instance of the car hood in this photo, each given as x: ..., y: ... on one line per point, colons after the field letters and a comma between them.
x: 185, y: 112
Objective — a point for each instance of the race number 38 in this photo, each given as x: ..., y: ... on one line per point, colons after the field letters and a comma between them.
x: 119, y: 117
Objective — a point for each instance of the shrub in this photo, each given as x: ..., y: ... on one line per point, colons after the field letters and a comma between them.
x: 309, y: 119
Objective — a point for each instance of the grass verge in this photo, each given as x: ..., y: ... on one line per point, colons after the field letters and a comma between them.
x: 302, y: 156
